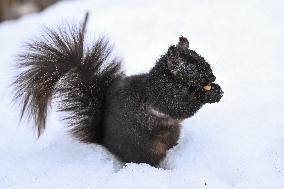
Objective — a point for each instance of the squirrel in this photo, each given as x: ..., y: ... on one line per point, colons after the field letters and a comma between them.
x: 137, y: 118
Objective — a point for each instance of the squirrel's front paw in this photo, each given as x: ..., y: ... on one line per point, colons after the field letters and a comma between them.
x: 212, y: 93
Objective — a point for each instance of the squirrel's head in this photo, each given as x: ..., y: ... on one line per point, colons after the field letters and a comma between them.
x: 187, y: 66
x: 181, y: 82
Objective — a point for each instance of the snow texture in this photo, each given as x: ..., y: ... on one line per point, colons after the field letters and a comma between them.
x: 237, y: 143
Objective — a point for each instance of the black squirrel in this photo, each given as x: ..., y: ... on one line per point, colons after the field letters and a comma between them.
x: 137, y: 118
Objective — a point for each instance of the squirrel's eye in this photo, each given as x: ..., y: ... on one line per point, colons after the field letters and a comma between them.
x: 189, y: 71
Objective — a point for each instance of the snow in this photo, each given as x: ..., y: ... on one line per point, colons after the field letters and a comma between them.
x: 237, y: 143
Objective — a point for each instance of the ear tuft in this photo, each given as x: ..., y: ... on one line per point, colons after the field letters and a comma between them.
x: 183, y: 43
x: 172, y: 52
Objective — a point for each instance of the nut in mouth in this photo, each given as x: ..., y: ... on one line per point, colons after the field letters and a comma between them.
x: 207, y: 87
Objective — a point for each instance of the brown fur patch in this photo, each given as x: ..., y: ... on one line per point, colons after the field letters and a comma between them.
x: 159, y: 147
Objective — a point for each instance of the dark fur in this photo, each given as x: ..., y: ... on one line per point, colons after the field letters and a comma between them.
x: 137, y: 118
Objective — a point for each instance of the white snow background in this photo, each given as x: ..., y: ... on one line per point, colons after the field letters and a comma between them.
x: 237, y: 143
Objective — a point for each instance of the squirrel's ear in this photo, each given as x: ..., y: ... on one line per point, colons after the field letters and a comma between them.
x: 172, y: 52
x: 183, y: 43
x: 172, y: 62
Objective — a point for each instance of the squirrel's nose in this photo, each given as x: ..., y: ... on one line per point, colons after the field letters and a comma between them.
x: 211, y: 78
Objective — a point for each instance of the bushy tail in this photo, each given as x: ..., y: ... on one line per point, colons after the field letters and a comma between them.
x: 63, y: 65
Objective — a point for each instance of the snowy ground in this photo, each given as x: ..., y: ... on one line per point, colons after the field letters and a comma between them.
x: 237, y: 143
